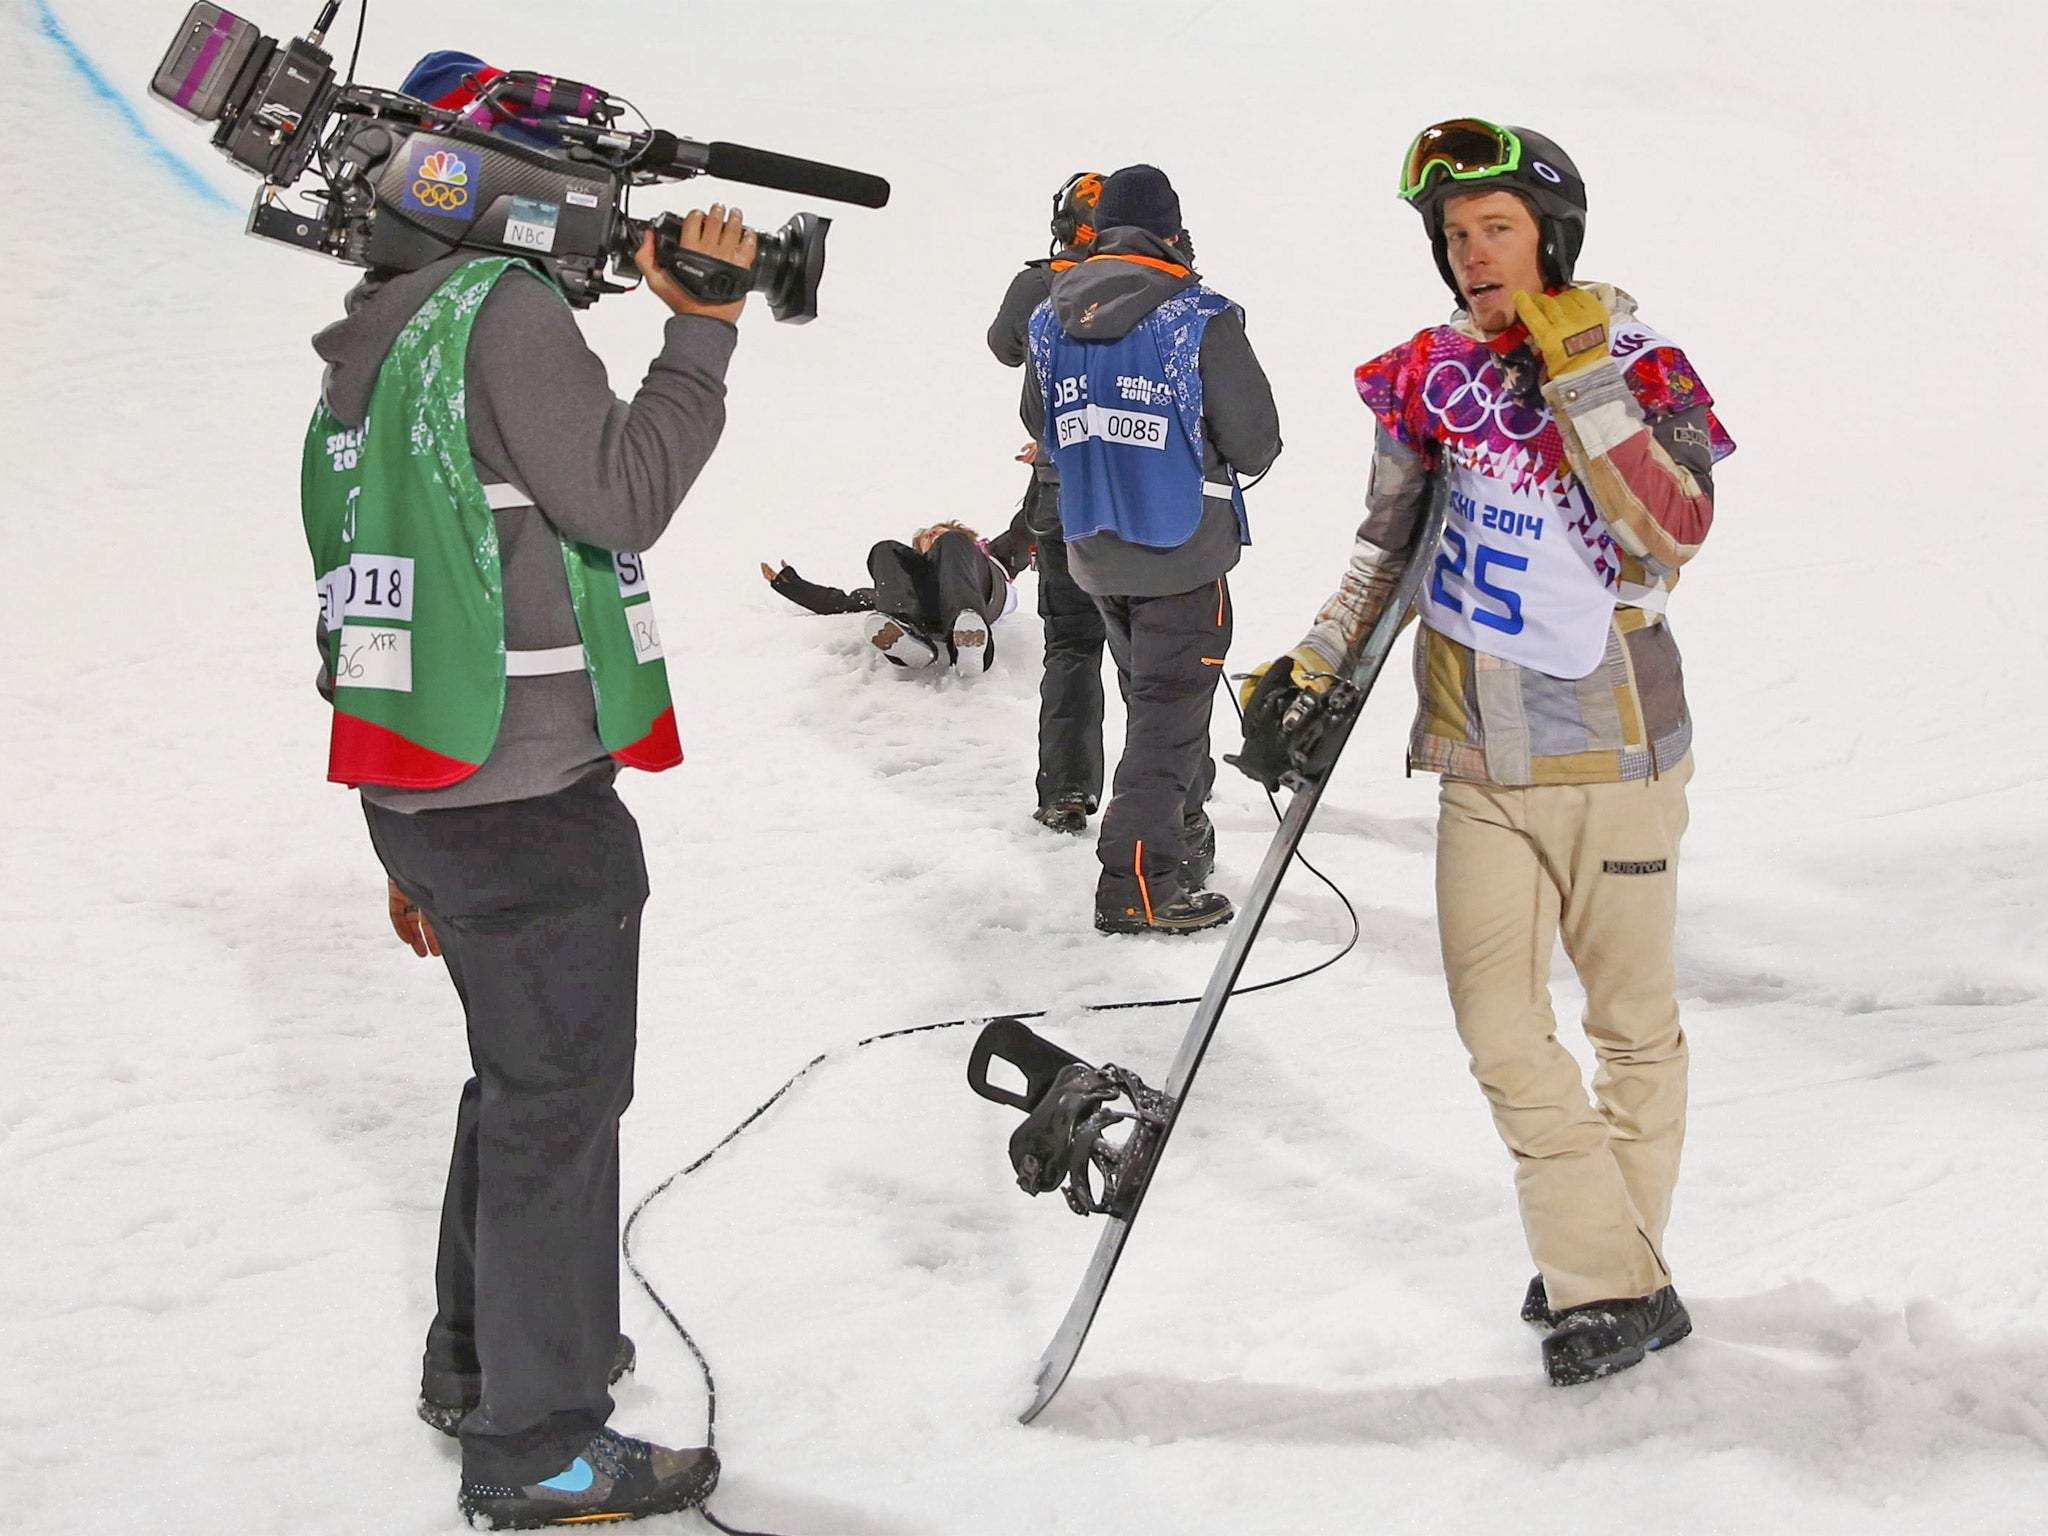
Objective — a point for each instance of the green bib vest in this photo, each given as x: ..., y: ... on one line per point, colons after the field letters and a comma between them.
x: 412, y: 601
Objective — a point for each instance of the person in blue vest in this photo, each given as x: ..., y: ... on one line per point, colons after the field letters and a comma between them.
x: 462, y: 411
x: 1150, y: 403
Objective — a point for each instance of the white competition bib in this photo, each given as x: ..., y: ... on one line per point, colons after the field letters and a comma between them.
x: 1525, y: 569
x: 1513, y: 577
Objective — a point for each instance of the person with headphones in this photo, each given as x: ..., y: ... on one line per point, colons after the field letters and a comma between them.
x: 1146, y: 395
x: 1580, y: 446
x: 1070, y: 688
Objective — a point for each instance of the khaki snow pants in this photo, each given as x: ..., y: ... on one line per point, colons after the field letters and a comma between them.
x: 1597, y: 863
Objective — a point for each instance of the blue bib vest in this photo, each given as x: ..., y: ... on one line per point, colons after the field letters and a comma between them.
x: 1123, y: 422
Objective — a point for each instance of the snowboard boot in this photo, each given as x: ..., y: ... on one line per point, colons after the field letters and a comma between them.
x: 1603, y: 1337
x: 972, y: 652
x: 446, y: 1397
x: 1180, y: 912
x: 1198, y: 836
x: 612, y: 1478
x: 1065, y: 813
x: 1536, y: 1306
x: 904, y: 646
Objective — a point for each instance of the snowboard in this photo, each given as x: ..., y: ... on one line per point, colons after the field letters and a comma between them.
x: 1126, y: 1169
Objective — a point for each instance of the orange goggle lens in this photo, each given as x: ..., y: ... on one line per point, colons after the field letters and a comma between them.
x: 1465, y: 149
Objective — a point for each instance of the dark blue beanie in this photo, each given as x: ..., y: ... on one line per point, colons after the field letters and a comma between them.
x: 1140, y: 196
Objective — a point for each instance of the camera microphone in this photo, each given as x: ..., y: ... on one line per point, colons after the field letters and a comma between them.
x: 765, y: 168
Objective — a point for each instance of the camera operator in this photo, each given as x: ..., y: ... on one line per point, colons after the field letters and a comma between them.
x: 470, y: 447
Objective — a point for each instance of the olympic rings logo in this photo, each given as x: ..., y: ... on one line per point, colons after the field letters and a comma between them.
x: 438, y: 194
x: 1466, y: 404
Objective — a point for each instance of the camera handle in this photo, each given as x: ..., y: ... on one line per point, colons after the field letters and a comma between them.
x: 703, y: 277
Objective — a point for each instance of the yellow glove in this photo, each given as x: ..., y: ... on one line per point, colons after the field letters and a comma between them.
x: 1569, y: 328
x: 1306, y: 670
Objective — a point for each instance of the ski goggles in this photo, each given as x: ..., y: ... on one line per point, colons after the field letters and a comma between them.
x: 1465, y: 149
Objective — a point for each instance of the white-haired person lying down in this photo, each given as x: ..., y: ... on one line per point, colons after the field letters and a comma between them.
x: 938, y: 596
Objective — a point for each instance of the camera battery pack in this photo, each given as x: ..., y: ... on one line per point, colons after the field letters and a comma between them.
x: 198, y: 74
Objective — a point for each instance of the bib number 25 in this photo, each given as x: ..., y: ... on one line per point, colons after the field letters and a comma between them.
x: 1486, y: 564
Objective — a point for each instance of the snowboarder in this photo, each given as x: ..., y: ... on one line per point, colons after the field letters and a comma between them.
x: 1147, y: 398
x: 475, y: 498
x: 1580, y: 445
x: 939, y: 595
x: 1070, y: 688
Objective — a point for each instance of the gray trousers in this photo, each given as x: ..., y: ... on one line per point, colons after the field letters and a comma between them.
x: 1169, y: 653
x: 537, y: 907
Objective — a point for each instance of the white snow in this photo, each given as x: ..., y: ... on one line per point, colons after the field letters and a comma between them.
x: 226, y: 1091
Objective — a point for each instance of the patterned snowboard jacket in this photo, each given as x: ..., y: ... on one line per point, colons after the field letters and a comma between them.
x: 1638, y: 433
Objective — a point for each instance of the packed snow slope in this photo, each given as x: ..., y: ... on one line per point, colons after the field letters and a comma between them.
x: 226, y: 1091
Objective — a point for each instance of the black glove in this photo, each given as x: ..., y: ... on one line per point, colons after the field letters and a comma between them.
x: 1264, y: 756
x: 819, y: 599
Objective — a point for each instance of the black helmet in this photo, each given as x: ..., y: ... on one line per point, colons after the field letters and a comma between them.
x: 1073, y: 210
x: 1470, y: 154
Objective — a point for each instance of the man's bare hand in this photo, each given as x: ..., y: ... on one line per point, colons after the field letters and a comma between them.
x: 410, y: 923
x: 720, y: 233
x: 770, y: 572
x: 1028, y: 454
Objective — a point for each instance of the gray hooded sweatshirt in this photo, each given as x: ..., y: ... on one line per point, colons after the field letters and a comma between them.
x: 1103, y: 300
x: 542, y: 417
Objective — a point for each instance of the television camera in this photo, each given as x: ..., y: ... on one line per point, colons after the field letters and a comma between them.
x: 405, y: 183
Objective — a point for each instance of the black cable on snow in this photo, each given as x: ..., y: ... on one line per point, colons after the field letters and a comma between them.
x: 626, y: 1238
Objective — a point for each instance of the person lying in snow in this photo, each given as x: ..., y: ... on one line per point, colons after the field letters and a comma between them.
x: 940, y: 593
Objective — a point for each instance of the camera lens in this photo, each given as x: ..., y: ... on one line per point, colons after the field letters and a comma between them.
x: 788, y: 266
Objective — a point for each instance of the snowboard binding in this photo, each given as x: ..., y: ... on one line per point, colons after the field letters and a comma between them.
x: 1292, y: 735
x: 1092, y: 1129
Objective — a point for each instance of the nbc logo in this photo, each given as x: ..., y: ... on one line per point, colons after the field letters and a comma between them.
x: 442, y: 166
x: 442, y: 182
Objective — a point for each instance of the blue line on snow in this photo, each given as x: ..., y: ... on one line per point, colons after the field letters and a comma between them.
x: 110, y: 93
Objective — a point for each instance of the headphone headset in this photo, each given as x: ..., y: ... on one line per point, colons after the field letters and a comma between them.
x: 1073, y: 210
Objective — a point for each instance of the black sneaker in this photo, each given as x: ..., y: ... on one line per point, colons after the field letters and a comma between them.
x: 1536, y: 1306
x: 1603, y: 1337
x: 1186, y: 912
x: 447, y: 1397
x: 611, y: 1478
x: 1065, y: 813
x: 1198, y: 836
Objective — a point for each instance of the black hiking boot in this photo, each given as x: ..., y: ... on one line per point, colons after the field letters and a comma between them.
x: 1198, y: 836
x: 612, y: 1478
x: 1182, y: 912
x: 447, y: 1396
x: 1603, y: 1337
x: 1065, y: 813
x: 1536, y: 1306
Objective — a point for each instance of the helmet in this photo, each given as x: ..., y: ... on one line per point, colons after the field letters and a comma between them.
x: 1073, y: 210
x: 454, y: 81
x: 1470, y: 154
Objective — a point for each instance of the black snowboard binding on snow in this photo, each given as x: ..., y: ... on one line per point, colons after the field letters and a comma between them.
x: 1093, y: 1129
